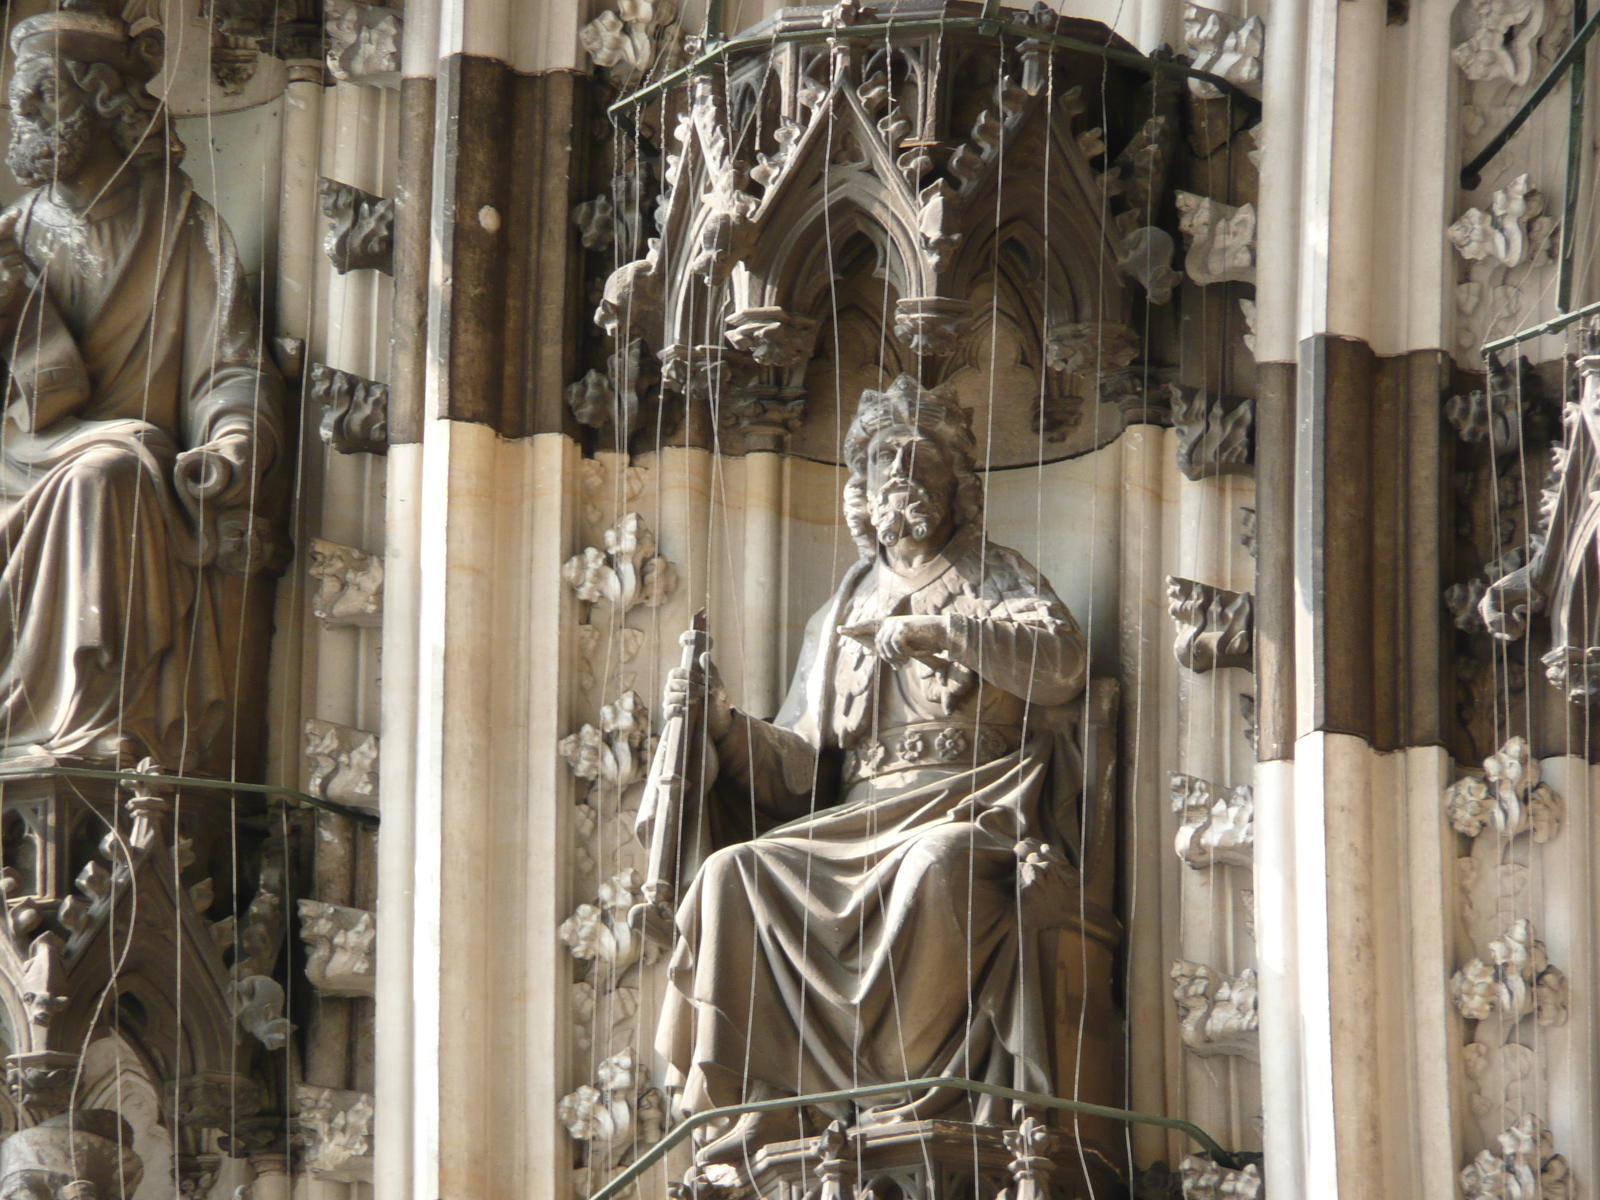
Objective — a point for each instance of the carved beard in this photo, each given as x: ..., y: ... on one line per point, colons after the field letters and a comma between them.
x: 39, y: 154
x: 904, y: 508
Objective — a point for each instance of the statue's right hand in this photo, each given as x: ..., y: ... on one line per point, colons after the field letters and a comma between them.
x: 702, y: 683
x: 13, y: 267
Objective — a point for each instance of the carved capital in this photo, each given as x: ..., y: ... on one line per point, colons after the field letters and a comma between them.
x: 340, y: 944
x: 362, y: 235
x: 772, y: 337
x: 1215, y: 626
x: 41, y: 1082
x: 343, y: 762
x: 349, y: 584
x: 335, y: 1128
x: 355, y: 419
x: 1216, y: 1012
x: 363, y: 42
x: 1216, y: 434
x: 1218, y: 823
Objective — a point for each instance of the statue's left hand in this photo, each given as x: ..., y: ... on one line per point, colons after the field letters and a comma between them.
x: 217, y: 472
x: 897, y: 640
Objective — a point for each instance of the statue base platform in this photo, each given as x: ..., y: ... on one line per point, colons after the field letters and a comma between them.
x: 913, y: 1160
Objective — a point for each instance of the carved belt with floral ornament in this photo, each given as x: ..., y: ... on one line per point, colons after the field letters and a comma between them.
x: 928, y: 744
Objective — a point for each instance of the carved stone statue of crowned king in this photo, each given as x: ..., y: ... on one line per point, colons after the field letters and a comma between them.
x: 141, y: 418
x: 863, y: 876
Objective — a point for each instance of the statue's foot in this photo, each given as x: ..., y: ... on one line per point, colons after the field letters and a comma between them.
x: 747, y: 1135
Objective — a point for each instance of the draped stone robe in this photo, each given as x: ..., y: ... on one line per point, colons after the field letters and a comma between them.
x: 859, y: 923
x: 138, y: 340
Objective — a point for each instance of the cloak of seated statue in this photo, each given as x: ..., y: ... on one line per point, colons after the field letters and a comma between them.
x: 855, y: 915
x: 86, y: 1155
x: 140, y: 419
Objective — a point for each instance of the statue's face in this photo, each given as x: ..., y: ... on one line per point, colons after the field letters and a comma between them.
x: 52, y: 122
x: 910, y: 485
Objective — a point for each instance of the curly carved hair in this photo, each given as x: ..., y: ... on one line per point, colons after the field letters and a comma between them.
x: 141, y: 125
x: 937, y: 415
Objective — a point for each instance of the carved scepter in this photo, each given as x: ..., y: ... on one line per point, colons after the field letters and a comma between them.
x: 684, y: 764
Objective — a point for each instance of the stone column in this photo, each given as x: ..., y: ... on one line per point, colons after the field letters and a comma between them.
x: 763, y: 571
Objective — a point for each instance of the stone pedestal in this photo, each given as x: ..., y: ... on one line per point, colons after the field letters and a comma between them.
x: 918, y: 1160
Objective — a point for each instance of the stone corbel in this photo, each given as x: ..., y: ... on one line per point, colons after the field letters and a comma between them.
x: 1510, y: 795
x: 1222, y: 239
x: 1216, y: 434
x: 1216, y: 1012
x: 1215, y: 626
x: 258, y: 1003
x: 1222, y: 44
x: 627, y: 572
x: 1513, y: 231
x: 1518, y: 981
x: 617, y: 393
x: 340, y: 944
x: 349, y: 585
x: 355, y: 419
x: 616, y: 1113
x: 1504, y: 42
x: 932, y: 325
x: 212, y: 1100
x: 616, y: 754
x: 335, y: 1128
x: 363, y: 42
x: 625, y: 44
x: 1218, y: 824
x: 343, y: 762
x: 1204, y: 1180
x: 1145, y: 256
x: 1525, y: 1167
x: 599, y: 933
x: 362, y: 235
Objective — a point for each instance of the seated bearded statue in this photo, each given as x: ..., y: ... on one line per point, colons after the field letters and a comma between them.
x: 140, y: 417
x: 855, y: 917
